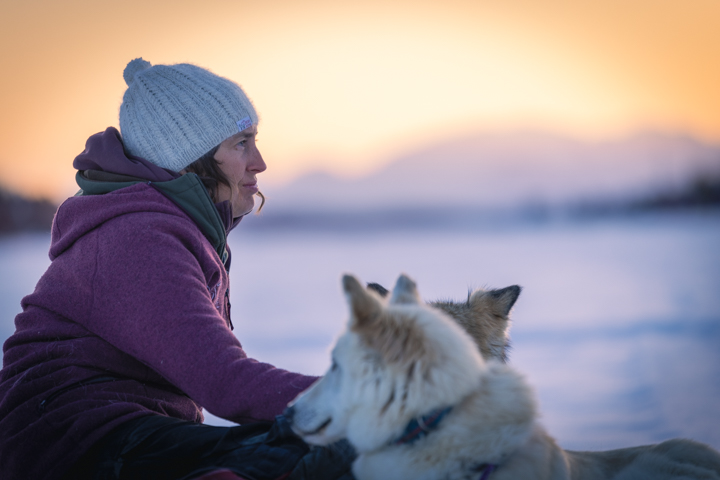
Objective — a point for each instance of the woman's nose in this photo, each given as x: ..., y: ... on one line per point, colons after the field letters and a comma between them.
x: 257, y: 163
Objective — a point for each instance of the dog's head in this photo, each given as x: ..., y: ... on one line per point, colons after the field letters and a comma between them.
x: 486, y: 317
x: 397, y: 360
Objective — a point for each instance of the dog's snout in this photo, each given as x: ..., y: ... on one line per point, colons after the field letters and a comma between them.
x: 289, y: 413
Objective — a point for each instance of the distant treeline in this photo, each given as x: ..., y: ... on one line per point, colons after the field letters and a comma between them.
x: 19, y: 214
x: 702, y: 192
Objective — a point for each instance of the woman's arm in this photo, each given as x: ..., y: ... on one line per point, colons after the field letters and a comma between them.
x: 150, y: 299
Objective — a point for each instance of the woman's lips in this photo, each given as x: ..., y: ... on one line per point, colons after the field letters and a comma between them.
x: 251, y: 186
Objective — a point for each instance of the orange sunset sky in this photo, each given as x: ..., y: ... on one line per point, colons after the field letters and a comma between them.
x: 347, y: 85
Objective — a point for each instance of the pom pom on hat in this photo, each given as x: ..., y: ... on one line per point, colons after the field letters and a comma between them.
x: 133, y: 68
x: 171, y: 115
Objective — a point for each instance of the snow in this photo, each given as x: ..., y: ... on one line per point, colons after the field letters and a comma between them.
x: 618, y: 325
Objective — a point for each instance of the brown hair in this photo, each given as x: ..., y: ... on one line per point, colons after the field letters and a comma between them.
x: 208, y: 169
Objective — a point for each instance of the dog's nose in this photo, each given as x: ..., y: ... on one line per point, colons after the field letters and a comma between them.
x: 289, y: 413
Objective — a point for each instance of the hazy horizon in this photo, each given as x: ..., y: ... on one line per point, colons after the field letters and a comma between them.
x: 521, y: 162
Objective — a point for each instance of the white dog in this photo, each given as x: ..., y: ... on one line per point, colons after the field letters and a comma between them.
x: 410, y: 391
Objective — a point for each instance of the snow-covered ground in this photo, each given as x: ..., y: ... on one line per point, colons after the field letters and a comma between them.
x: 618, y: 325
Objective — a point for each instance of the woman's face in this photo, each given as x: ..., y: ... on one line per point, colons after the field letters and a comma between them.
x: 240, y: 161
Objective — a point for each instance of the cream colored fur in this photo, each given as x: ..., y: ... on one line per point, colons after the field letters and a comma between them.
x: 401, y: 359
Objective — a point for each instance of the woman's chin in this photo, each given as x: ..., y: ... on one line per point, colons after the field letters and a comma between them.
x: 243, y: 208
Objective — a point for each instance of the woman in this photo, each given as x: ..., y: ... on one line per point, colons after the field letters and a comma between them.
x: 127, y: 336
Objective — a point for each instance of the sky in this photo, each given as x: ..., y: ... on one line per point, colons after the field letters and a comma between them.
x: 347, y: 86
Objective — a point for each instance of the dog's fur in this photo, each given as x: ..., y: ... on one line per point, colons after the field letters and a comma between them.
x: 485, y: 316
x: 401, y: 359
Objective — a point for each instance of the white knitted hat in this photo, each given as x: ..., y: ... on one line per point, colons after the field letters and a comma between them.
x: 171, y: 115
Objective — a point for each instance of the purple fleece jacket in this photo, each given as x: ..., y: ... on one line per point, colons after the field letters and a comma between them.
x: 130, y: 319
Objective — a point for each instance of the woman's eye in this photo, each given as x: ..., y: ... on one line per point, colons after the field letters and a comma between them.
x: 241, y: 143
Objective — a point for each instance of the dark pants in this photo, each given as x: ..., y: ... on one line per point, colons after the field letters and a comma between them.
x: 163, y: 448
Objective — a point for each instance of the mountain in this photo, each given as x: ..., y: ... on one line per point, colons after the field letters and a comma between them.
x: 490, y: 172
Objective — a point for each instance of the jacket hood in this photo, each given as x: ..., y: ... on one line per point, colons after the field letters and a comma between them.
x: 104, y: 152
x: 114, y: 183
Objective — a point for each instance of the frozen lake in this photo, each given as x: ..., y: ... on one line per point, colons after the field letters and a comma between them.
x: 618, y: 325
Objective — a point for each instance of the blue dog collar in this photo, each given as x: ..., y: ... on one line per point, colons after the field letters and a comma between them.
x: 421, y: 426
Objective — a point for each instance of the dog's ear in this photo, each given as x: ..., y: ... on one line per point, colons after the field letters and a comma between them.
x: 365, y: 305
x: 395, y: 338
x: 376, y: 287
x: 405, y: 291
x: 487, y: 319
x: 498, y: 302
x: 505, y: 298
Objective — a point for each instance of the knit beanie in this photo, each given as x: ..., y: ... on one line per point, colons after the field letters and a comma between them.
x: 171, y: 115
